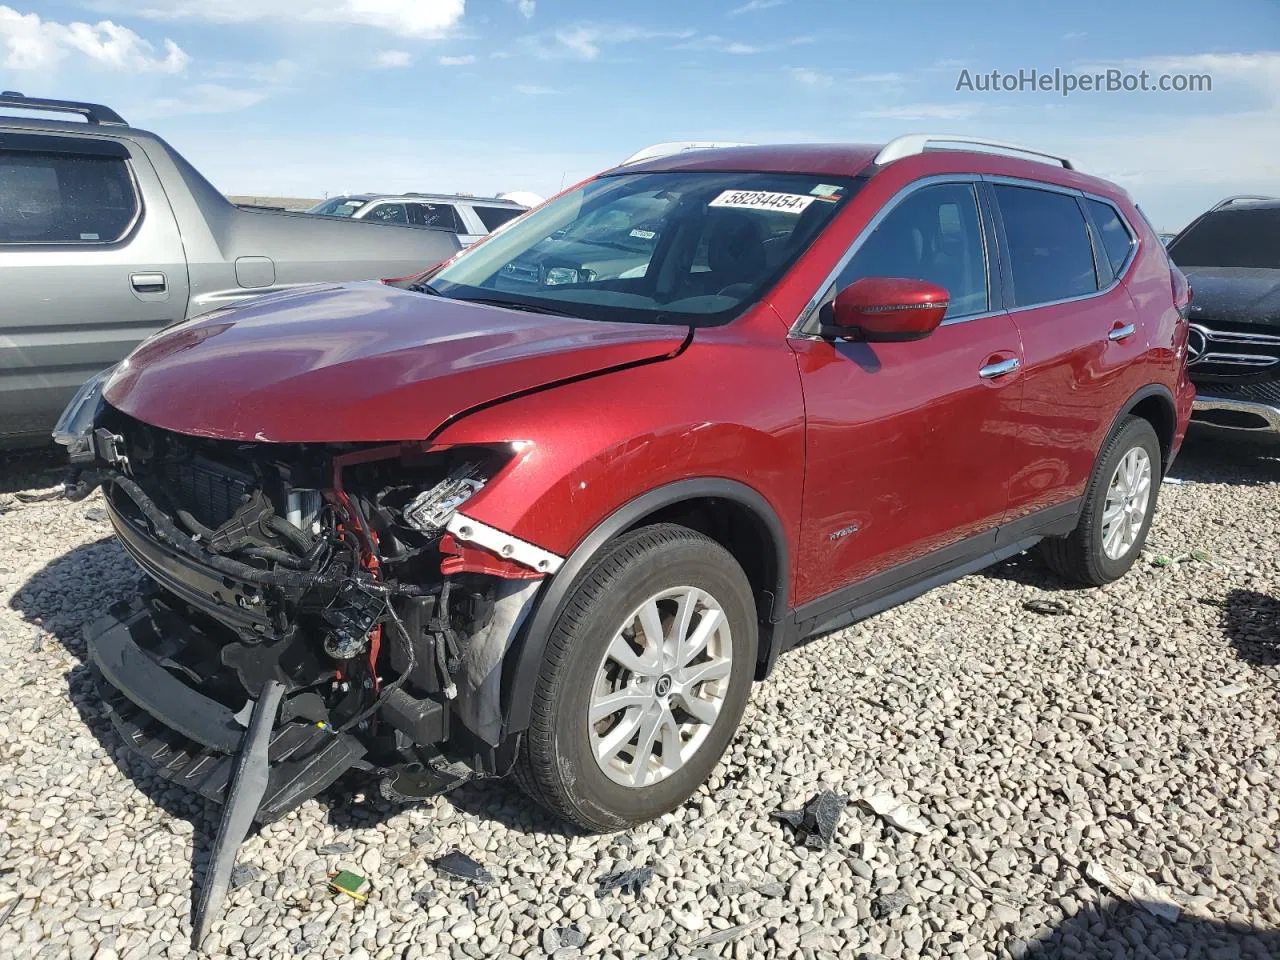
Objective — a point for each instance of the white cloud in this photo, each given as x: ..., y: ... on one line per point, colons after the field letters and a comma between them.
x: 812, y: 78
x: 416, y: 18
x: 751, y: 6
x: 923, y: 111
x: 1164, y: 148
x: 714, y: 43
x: 207, y: 98
x: 390, y: 59
x: 29, y: 43
x: 586, y: 40
x: 277, y: 73
x: 1074, y: 35
x: 533, y: 89
x: 456, y: 61
x: 526, y: 7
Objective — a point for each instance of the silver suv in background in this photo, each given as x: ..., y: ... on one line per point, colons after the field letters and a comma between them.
x: 470, y: 218
x: 107, y: 234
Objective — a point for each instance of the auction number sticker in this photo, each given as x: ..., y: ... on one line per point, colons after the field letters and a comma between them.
x: 763, y: 200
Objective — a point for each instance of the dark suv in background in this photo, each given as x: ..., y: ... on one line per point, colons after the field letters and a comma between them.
x: 1232, y: 256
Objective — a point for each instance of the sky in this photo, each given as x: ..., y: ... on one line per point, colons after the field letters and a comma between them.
x: 314, y: 98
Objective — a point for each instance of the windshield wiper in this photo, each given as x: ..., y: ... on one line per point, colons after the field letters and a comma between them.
x: 424, y: 287
x: 520, y: 305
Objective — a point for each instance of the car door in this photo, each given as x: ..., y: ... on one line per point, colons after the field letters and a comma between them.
x: 1079, y: 334
x: 91, y: 262
x: 908, y: 443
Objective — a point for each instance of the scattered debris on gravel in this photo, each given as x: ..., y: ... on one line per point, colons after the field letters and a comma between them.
x: 815, y: 823
x: 1138, y: 732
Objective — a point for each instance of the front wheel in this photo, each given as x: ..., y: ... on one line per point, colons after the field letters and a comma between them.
x: 1119, y: 505
x: 644, y: 680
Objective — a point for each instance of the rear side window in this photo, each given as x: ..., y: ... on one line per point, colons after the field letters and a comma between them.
x: 934, y: 235
x: 388, y: 213
x: 1049, y: 249
x: 1242, y: 236
x: 494, y: 217
x: 64, y: 198
x: 1116, y: 238
x: 439, y: 215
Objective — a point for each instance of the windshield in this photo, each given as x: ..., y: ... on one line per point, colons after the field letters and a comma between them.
x: 338, y: 207
x: 686, y: 247
x: 1242, y: 237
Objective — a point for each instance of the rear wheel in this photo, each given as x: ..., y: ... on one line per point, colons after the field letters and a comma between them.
x: 644, y: 680
x: 1119, y: 505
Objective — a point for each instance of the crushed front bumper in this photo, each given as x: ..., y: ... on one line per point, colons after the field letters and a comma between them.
x: 192, y: 738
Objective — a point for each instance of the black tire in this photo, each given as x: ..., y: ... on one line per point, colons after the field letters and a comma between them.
x: 556, y: 766
x: 1079, y: 556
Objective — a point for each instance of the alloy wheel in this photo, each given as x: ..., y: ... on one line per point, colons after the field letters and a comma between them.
x: 1128, y: 497
x: 660, y: 686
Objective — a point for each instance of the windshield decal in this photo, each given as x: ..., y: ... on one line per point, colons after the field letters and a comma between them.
x: 643, y: 234
x: 763, y: 200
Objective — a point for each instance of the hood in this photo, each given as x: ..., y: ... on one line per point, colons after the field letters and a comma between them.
x: 1234, y: 294
x: 361, y: 362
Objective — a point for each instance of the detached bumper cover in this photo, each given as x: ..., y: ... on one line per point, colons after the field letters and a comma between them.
x: 192, y: 738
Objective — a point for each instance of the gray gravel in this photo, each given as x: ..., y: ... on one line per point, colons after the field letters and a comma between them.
x: 1137, y: 728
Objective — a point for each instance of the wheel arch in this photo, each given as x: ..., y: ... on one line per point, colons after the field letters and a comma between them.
x: 710, y: 505
x: 1155, y: 404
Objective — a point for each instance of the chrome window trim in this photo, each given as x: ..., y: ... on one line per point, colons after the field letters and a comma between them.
x: 1080, y: 194
x: 1124, y: 222
x: 806, y: 313
x: 796, y: 329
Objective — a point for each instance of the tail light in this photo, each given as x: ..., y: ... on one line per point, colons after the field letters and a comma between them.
x: 1181, y: 291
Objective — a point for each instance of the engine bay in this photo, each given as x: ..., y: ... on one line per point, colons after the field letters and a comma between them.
x: 331, y: 570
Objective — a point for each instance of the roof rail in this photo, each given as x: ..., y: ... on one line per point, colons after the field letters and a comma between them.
x: 671, y: 147
x: 914, y: 143
x: 92, y: 112
x: 1239, y: 198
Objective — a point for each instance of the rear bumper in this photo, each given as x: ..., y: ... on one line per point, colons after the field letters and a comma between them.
x: 192, y: 738
x: 1236, y: 416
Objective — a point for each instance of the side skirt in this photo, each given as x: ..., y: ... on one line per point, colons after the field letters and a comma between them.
x: 876, y: 594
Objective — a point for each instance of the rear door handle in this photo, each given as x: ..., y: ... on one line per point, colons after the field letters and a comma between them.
x: 149, y: 282
x: 992, y: 370
x: 1119, y: 333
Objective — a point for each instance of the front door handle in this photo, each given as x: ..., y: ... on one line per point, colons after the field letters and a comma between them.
x: 1119, y: 333
x: 992, y: 370
x: 149, y: 282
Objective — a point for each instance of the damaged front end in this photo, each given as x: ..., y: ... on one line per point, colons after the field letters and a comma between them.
x: 341, y: 577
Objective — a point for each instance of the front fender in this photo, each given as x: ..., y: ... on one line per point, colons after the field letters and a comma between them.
x: 729, y: 409
x: 597, y: 456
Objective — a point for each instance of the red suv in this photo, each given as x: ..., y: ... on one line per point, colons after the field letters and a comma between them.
x: 552, y: 506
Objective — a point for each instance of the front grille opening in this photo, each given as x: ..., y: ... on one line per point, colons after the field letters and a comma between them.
x: 212, y: 492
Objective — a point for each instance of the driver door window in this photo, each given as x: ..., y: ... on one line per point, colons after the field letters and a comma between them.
x: 935, y: 234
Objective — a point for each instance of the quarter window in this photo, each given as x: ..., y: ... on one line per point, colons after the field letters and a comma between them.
x: 935, y: 234
x: 440, y: 215
x: 64, y: 198
x: 1116, y: 238
x: 494, y: 217
x: 1049, y: 250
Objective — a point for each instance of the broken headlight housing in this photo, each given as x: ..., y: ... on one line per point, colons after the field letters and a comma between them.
x: 74, y: 429
x: 430, y: 511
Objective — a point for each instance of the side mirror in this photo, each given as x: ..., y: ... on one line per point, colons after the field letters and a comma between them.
x: 887, y: 309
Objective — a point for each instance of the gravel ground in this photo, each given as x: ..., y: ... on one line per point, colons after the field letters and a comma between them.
x: 1136, y: 727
